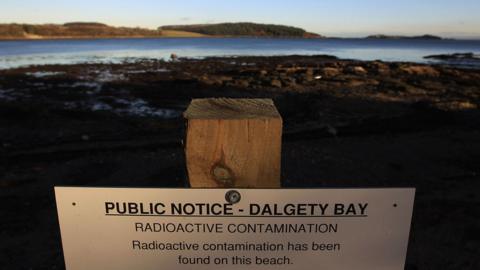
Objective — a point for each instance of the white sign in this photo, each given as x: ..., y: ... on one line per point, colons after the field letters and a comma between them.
x: 143, y: 228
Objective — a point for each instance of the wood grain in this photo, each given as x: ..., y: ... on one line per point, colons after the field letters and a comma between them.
x: 233, y: 143
x: 226, y: 108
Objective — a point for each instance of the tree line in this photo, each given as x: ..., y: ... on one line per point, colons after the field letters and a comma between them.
x: 72, y: 30
x: 240, y: 29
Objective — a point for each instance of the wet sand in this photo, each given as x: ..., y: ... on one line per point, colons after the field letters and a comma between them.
x: 346, y: 123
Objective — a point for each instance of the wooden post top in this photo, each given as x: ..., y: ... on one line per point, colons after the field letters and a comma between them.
x: 233, y: 143
x: 227, y: 108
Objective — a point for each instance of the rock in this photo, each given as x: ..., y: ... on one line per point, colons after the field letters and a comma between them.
x: 420, y: 71
x: 309, y: 71
x: 373, y: 82
x: 215, y: 80
x: 276, y: 83
x: 309, y: 75
x: 263, y: 73
x: 241, y: 83
x: 454, y: 73
x: 334, y: 64
x: 330, y: 72
x: 454, y: 56
x: 357, y: 70
x: 289, y: 70
x: 416, y: 91
x: 380, y: 68
x: 355, y: 83
x: 173, y: 57
x: 289, y: 82
x: 459, y: 105
x: 224, y: 78
x: 206, y: 80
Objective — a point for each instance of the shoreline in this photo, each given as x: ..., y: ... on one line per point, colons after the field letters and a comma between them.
x: 426, y: 61
x: 252, y: 37
x: 295, y: 73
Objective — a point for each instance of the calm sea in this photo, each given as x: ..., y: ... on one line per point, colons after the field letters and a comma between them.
x: 38, y: 52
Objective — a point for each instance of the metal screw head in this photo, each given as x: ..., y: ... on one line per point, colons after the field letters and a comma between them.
x: 233, y: 196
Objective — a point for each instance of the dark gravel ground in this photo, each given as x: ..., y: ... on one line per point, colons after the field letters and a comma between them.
x: 415, y: 127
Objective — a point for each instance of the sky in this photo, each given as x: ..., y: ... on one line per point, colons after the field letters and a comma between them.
x: 342, y: 18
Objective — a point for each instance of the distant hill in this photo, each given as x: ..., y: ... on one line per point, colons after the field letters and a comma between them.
x: 85, y: 24
x: 404, y: 37
x: 71, y: 30
x: 100, y: 30
x: 242, y: 29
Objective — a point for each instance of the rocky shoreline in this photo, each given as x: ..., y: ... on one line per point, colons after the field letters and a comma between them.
x: 466, y: 60
x: 346, y: 123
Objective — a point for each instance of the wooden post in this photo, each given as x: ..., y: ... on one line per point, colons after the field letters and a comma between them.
x: 233, y: 143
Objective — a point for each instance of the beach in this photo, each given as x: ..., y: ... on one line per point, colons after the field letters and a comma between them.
x: 347, y: 123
